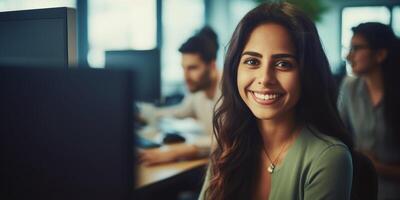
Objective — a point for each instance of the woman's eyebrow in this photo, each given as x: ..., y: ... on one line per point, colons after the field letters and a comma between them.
x: 252, y: 53
x: 275, y: 56
x: 283, y: 55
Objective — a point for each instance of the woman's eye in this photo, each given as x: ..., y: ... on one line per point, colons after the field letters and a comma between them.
x: 251, y: 62
x: 284, y: 65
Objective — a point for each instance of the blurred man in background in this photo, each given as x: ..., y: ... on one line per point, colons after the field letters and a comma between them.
x: 202, y: 77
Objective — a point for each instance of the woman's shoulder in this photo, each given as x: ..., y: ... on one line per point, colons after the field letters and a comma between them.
x: 328, y: 166
x: 351, y: 83
x: 319, y: 144
x: 326, y: 153
x: 350, y: 80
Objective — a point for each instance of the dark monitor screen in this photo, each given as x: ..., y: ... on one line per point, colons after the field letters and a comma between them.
x: 42, y: 37
x: 66, y: 134
x: 146, y: 66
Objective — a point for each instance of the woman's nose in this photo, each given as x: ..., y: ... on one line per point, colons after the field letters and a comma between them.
x: 267, y: 76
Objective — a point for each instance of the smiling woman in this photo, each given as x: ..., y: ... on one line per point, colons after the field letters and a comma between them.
x: 278, y: 132
x: 268, y: 75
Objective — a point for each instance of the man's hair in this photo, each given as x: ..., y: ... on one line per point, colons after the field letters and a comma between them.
x: 204, y: 43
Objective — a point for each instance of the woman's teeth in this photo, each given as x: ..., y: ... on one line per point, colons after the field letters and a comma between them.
x: 266, y: 96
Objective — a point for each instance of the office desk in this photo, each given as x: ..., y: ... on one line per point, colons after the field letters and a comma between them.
x: 168, y: 181
x: 148, y: 175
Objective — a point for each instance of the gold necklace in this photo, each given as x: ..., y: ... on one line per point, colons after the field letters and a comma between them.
x: 272, y: 166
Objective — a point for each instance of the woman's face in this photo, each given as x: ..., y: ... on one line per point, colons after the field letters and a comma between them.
x: 268, y: 73
x: 361, y: 56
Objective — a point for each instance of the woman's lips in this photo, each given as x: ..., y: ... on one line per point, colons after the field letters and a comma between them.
x: 266, y: 98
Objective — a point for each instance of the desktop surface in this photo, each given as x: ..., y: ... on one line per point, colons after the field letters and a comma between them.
x: 149, y: 175
x: 66, y: 134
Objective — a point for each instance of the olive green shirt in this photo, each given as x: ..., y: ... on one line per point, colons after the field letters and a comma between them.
x: 315, y: 167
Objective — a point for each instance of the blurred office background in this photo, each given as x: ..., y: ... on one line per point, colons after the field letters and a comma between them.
x: 159, y: 27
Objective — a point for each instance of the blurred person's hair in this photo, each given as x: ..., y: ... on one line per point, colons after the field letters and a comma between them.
x: 204, y: 43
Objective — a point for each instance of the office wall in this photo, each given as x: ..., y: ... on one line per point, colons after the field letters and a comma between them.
x: 330, y: 25
x: 225, y: 14
x: 329, y: 32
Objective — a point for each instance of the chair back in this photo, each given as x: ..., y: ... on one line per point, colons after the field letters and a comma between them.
x: 365, y: 178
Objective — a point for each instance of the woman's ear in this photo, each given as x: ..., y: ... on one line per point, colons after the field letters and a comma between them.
x: 381, y: 55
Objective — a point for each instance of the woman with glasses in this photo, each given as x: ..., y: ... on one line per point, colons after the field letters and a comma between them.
x: 370, y: 101
x: 278, y: 132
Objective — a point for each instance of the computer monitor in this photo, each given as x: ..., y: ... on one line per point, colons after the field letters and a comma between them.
x: 146, y: 66
x: 66, y: 134
x: 41, y: 37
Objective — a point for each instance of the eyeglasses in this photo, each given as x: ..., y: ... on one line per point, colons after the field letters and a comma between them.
x: 355, y: 48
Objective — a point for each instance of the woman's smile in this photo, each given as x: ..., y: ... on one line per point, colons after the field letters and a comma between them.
x: 266, y: 98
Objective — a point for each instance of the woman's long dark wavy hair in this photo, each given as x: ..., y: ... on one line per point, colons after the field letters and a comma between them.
x: 235, y: 160
x: 381, y: 36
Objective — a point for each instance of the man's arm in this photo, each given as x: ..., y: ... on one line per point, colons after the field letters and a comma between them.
x: 183, y: 110
x: 148, y: 113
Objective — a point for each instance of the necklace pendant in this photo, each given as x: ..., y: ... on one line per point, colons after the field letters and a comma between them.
x: 271, y: 168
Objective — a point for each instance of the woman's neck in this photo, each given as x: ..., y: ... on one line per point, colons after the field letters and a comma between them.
x: 277, y: 132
